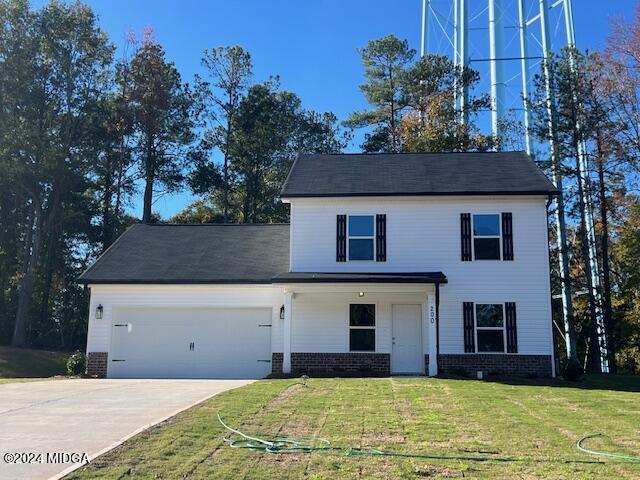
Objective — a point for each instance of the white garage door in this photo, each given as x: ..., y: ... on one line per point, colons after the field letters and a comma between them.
x: 190, y: 343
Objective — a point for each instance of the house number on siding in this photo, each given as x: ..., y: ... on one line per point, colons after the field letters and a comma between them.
x: 432, y: 314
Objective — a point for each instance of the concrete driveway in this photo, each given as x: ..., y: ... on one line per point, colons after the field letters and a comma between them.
x: 85, y: 417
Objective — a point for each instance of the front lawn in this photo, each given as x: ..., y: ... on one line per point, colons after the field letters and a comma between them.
x: 27, y: 363
x: 529, y: 430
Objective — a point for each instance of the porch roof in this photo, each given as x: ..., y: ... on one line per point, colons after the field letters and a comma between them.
x: 364, y: 277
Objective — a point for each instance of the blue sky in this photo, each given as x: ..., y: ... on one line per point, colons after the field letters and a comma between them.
x: 310, y: 44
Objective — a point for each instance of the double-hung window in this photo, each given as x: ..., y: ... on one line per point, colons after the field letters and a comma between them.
x: 490, y: 327
x: 362, y: 327
x: 486, y: 237
x: 361, y: 237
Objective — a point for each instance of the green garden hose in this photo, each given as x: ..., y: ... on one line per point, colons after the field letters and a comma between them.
x: 617, y: 456
x: 282, y: 445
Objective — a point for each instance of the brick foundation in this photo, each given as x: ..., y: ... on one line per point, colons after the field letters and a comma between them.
x: 379, y: 364
x: 348, y: 364
x: 97, y: 364
x: 276, y: 363
x: 520, y: 365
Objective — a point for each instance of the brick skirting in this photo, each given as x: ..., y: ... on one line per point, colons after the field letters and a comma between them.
x: 521, y: 365
x: 276, y: 363
x: 350, y: 364
x: 97, y: 364
x: 379, y: 364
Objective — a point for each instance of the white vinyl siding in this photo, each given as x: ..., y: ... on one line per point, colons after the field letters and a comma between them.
x: 423, y: 234
x: 321, y: 320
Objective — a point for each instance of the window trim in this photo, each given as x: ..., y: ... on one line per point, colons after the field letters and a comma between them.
x: 372, y: 237
x: 499, y: 237
x: 503, y: 328
x: 374, y: 328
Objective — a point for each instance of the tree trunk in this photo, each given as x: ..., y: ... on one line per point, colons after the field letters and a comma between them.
x: 115, y: 226
x: 606, y: 268
x: 594, y: 357
x: 149, y: 178
x: 256, y: 193
x: 33, y: 240
x: 246, y: 205
x: 107, y: 224
x: 50, y: 257
x: 225, y: 171
x: 225, y: 191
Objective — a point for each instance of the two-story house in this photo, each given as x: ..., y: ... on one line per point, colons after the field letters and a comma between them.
x: 391, y: 264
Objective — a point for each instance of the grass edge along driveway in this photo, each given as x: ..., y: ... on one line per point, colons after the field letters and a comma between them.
x: 537, y: 424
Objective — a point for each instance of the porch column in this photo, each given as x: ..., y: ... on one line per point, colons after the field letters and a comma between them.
x: 286, y: 351
x: 432, y: 329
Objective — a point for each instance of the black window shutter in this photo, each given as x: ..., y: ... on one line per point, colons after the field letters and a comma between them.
x: 341, y: 238
x: 381, y: 238
x: 465, y: 236
x: 507, y: 236
x: 469, y: 334
x: 512, y: 330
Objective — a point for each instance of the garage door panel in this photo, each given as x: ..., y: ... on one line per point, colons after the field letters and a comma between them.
x: 190, y: 343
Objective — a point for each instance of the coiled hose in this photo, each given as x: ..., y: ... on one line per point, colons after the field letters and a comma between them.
x: 282, y: 445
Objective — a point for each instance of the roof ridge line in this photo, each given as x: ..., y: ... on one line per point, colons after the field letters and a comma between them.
x: 442, y: 152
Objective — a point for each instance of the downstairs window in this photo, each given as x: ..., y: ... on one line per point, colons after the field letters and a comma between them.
x: 490, y: 327
x: 362, y: 327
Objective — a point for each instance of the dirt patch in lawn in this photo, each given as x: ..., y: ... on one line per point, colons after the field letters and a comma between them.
x: 436, y: 471
x: 380, y: 438
x: 298, y: 429
x: 406, y: 409
x: 284, y: 396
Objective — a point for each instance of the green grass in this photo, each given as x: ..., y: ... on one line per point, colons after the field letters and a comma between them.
x: 536, y: 423
x: 20, y: 363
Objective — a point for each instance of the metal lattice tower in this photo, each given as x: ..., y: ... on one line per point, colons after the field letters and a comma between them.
x: 507, y: 42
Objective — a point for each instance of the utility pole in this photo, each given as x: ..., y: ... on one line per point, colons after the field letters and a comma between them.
x: 496, y: 28
x: 593, y: 269
x: 524, y: 72
x: 563, y: 259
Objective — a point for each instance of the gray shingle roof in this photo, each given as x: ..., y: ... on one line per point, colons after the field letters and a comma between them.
x: 472, y: 173
x: 174, y: 254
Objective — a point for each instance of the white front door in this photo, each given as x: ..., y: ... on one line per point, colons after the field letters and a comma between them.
x: 406, y: 349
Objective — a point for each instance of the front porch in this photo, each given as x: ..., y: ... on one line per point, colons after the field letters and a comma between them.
x: 358, y: 324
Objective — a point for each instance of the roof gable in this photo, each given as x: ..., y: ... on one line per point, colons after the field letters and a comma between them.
x: 399, y: 174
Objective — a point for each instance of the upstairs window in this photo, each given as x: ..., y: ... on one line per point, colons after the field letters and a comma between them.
x: 490, y: 327
x: 361, y: 237
x: 486, y: 237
